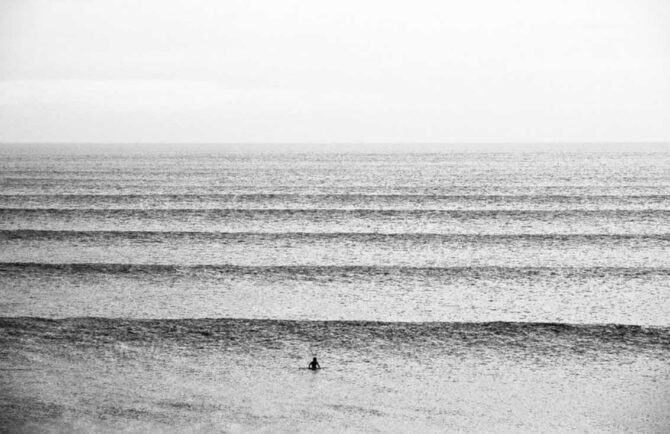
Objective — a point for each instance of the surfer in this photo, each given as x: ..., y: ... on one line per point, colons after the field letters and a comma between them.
x: 314, y: 365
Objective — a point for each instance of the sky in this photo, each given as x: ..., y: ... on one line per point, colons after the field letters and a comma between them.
x: 363, y: 71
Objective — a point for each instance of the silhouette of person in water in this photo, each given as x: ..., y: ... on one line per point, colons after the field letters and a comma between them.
x: 314, y: 365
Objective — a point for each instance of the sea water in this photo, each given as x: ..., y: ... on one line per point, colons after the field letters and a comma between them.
x: 471, y: 292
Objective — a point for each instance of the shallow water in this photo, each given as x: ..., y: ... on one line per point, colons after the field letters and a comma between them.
x: 242, y: 375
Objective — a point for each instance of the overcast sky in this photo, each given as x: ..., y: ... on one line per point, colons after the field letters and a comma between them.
x: 335, y: 71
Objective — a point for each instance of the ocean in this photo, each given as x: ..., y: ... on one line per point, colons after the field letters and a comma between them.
x: 450, y: 292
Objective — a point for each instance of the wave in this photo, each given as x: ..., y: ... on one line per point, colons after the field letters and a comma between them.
x: 490, y: 188
x: 323, y: 200
x: 59, y: 235
x: 344, y: 212
x: 265, y: 196
x: 298, y: 271
x: 249, y: 333
x: 333, y: 202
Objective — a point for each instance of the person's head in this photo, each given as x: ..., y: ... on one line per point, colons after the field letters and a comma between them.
x: 314, y: 359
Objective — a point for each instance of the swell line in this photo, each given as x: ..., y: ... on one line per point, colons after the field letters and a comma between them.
x: 9, y: 234
x: 458, y: 214
x: 330, y: 270
x: 561, y: 337
x: 461, y: 213
x: 334, y: 195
